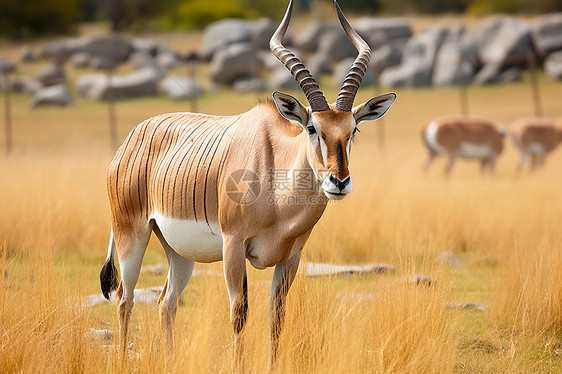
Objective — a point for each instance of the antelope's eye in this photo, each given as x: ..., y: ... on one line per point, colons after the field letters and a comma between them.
x: 311, y: 130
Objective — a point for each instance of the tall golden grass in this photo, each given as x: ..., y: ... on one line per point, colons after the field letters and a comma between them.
x: 54, y: 229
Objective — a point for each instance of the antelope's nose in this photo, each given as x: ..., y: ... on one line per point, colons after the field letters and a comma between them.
x: 340, y: 184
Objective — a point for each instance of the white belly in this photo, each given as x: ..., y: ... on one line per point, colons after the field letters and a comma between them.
x: 470, y: 150
x: 431, y: 139
x: 537, y: 148
x: 191, y: 239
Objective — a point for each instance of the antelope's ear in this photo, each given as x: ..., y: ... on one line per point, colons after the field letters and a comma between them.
x: 291, y: 108
x: 374, y: 108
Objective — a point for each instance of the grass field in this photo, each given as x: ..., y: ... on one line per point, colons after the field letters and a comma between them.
x: 54, y: 229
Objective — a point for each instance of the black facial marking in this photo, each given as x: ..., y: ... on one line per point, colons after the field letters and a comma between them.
x: 339, y: 155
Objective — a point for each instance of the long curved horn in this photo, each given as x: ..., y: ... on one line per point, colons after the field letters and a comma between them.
x: 357, y: 71
x: 306, y: 81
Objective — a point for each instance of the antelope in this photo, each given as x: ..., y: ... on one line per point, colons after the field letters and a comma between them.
x: 465, y: 137
x: 173, y: 174
x: 535, y: 138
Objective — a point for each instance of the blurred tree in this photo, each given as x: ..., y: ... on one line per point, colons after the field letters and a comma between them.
x: 29, y: 18
x: 370, y: 6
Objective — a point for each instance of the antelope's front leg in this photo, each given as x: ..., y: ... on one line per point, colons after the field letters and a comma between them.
x: 234, y: 262
x: 282, y: 279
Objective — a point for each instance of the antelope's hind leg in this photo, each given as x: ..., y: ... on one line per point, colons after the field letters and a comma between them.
x: 179, y: 273
x: 131, y: 248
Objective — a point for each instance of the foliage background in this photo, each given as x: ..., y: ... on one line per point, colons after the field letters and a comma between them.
x: 34, y: 18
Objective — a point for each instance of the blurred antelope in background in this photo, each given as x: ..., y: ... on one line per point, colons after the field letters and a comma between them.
x: 535, y: 138
x: 174, y: 172
x: 463, y: 137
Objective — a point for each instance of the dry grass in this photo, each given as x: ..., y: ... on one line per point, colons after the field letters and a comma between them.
x: 54, y: 229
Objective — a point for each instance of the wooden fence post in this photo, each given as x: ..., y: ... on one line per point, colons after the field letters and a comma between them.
x: 532, y: 62
x: 111, y: 111
x: 462, y: 87
x: 7, y: 112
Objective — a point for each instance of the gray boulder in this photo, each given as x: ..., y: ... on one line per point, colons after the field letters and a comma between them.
x: 336, y: 45
x: 108, y: 47
x: 144, y: 45
x: 167, y: 58
x: 319, y: 65
x: 262, y: 30
x: 503, y: 41
x: 53, y: 95
x: 495, y: 73
x: 234, y: 62
x: 309, y: 39
x: 6, y: 66
x: 387, y: 55
x: 51, y: 75
x: 456, y: 59
x: 249, y: 85
x: 281, y: 79
x: 138, y: 84
x: 26, y: 85
x: 547, y: 34
x: 381, y: 31
x: 179, y: 88
x: 102, y: 63
x: 218, y: 35
x: 142, y: 59
x: 81, y: 60
x: 420, y: 53
x: 553, y: 65
x: 59, y: 51
x: 27, y: 54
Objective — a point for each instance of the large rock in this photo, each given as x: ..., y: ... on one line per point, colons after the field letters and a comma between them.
x: 179, y: 88
x: 53, y: 95
x: 553, y: 65
x: 281, y: 79
x: 456, y: 59
x: 249, y: 85
x: 6, y: 66
x: 27, y: 85
x: 495, y: 73
x: 167, y: 58
x: 81, y: 60
x: 218, y: 35
x: 138, y: 84
x: 262, y: 30
x: 27, y: 54
x: 547, y: 34
x: 319, y: 65
x: 502, y: 41
x: 387, y: 55
x: 51, y: 75
x: 234, y: 62
x: 59, y: 51
x: 109, y: 47
x: 416, y: 69
x: 336, y: 45
x: 309, y: 39
x: 381, y: 31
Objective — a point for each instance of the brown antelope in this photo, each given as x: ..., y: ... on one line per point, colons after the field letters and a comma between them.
x: 175, y: 175
x: 463, y: 137
x: 535, y: 138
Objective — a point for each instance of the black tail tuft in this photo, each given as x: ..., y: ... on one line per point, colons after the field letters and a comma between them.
x: 108, y: 278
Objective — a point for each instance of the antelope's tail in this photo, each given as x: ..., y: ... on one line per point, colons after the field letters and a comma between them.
x: 108, y: 275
